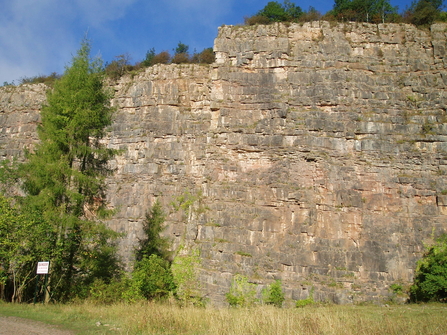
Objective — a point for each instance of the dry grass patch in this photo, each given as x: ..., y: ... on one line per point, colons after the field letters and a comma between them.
x: 155, y: 318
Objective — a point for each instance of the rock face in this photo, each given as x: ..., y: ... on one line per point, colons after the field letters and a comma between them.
x: 315, y: 154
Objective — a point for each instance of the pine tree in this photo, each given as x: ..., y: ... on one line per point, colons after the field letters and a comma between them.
x: 153, y: 243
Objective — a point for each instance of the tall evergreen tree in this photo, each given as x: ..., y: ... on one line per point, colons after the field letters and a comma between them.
x: 63, y: 177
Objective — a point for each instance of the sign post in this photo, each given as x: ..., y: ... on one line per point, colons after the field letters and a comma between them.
x: 43, y: 268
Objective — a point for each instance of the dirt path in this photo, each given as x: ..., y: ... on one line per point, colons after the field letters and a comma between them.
x: 17, y: 326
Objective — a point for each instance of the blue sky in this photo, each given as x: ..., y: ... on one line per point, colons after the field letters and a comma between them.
x: 41, y: 36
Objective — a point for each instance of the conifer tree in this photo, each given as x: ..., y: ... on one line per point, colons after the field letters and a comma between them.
x: 153, y: 243
x: 63, y: 177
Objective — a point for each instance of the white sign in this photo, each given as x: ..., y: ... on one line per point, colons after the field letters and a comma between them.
x: 42, y: 268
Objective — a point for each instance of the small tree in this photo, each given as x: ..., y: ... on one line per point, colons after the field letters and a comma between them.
x: 150, y: 54
x: 25, y: 239
x: 424, y: 12
x: 181, y: 48
x: 273, y: 294
x: 275, y: 12
x: 153, y: 243
x: 152, y: 276
x: 118, y: 67
x: 430, y: 282
x: 181, y: 54
x: 184, y: 270
x: 242, y: 293
x: 205, y: 57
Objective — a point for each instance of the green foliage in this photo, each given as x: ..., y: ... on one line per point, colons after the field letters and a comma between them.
x: 162, y: 58
x: 5, y: 83
x: 424, y: 12
x: 181, y: 58
x: 102, y: 292
x: 152, y: 279
x: 41, y: 79
x: 25, y: 239
x: 150, y: 54
x: 364, y: 10
x: 273, y: 294
x: 243, y: 253
x: 430, y: 282
x: 242, y: 293
x: 397, y: 288
x: 153, y: 243
x: 118, y: 67
x: 256, y: 19
x: 184, y: 270
x: 205, y: 57
x: 63, y: 182
x: 287, y: 12
x: 181, y: 48
x: 275, y: 12
x: 305, y: 302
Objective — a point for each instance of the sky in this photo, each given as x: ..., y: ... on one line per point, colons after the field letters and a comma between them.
x: 39, y: 37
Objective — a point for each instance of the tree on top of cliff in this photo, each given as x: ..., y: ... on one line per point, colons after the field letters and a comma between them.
x: 424, y: 12
x: 63, y: 178
x: 363, y: 10
x: 275, y: 12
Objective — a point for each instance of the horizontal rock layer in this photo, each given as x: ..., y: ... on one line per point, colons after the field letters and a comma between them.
x: 315, y: 154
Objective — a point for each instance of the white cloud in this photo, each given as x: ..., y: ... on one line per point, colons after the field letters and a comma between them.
x: 30, y: 34
x: 39, y: 37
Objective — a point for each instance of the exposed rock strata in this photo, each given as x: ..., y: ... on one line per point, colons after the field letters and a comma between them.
x: 315, y: 154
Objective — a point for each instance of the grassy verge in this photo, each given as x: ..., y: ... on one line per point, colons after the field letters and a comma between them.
x: 152, y: 318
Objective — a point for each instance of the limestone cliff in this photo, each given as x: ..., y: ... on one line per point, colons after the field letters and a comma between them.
x: 312, y: 153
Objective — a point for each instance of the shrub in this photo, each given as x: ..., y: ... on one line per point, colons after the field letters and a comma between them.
x: 207, y: 56
x: 273, y: 294
x: 180, y: 58
x: 397, y: 288
x: 118, y: 67
x: 423, y: 12
x: 430, y: 282
x: 242, y: 293
x: 162, y: 58
x: 152, y: 279
x: 150, y: 54
x: 102, y: 292
x: 308, y: 301
x: 47, y: 80
x: 184, y: 270
x: 256, y: 19
x: 311, y: 15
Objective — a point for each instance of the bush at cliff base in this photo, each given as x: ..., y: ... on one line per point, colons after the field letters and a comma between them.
x: 430, y: 282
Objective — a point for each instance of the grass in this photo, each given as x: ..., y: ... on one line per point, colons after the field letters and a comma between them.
x: 155, y: 318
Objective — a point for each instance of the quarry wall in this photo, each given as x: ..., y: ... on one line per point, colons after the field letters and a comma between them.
x: 315, y: 154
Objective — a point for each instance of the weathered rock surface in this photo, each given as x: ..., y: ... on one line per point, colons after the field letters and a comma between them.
x: 315, y: 154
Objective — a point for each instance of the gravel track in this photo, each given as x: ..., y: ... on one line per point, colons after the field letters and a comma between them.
x: 18, y: 326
